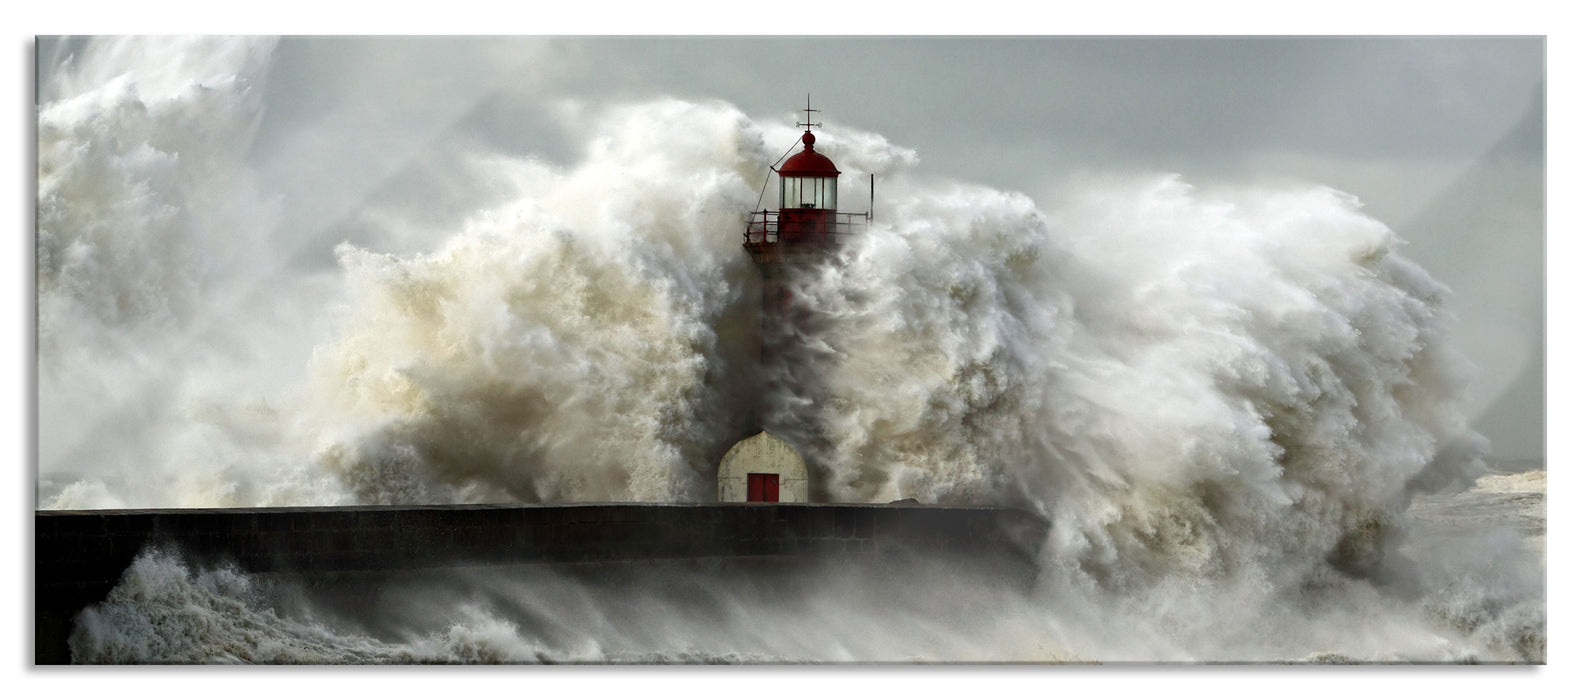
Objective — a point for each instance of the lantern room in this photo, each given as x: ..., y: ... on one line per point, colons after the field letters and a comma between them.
x: 807, y: 180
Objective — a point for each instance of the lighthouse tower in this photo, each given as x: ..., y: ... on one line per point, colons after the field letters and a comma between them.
x: 805, y: 231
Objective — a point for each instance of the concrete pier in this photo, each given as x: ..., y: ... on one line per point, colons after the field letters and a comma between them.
x: 80, y: 555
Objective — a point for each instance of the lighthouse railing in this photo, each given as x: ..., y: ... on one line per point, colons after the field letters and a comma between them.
x: 763, y: 227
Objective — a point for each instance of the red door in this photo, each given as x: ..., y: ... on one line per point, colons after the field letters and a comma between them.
x: 763, y: 488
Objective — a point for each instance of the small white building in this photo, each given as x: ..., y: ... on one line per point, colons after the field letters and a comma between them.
x: 763, y: 468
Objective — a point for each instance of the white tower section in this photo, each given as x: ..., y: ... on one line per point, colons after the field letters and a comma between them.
x: 763, y: 468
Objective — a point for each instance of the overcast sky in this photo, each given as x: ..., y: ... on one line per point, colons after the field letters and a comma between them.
x: 1441, y: 138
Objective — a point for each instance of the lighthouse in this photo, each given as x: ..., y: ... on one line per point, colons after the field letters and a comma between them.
x: 807, y: 227
x: 806, y: 230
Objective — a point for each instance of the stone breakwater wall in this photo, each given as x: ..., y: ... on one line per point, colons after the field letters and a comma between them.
x: 80, y: 555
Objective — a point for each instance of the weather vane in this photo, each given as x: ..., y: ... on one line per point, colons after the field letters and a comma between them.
x: 809, y: 123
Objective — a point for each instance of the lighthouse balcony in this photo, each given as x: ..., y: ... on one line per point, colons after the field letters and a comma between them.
x: 820, y: 227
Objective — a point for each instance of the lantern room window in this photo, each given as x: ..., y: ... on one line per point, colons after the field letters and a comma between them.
x: 807, y: 193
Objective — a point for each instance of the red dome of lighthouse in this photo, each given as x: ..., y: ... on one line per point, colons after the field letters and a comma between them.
x: 808, y: 163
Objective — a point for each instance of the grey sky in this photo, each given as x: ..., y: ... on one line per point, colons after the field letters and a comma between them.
x: 1441, y: 138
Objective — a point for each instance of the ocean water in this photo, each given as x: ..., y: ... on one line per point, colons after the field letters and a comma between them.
x: 1485, y: 608
x: 1236, y: 404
